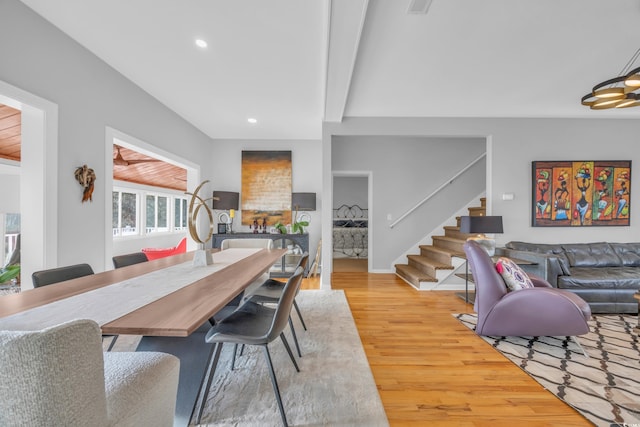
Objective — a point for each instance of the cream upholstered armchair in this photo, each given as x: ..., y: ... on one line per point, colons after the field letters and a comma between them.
x: 60, y: 376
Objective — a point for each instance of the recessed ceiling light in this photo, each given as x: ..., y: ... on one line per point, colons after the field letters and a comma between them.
x: 201, y: 43
x: 252, y: 120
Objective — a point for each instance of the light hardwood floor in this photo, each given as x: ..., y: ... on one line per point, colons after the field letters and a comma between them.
x: 430, y: 369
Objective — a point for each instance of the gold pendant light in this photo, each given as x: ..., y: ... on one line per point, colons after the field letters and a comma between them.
x: 619, y: 92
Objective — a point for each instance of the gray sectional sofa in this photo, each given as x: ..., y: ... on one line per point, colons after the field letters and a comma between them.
x: 605, y: 275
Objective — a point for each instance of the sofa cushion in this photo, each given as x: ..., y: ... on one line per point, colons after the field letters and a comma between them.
x: 514, y: 277
x: 601, y: 278
x: 629, y: 253
x: 599, y: 254
x: 541, y: 248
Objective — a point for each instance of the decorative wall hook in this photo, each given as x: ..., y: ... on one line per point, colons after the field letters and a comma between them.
x: 86, y: 177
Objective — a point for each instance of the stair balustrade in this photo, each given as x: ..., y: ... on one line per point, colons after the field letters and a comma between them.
x: 437, y: 190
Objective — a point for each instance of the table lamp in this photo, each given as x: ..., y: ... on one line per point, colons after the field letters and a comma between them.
x: 303, y: 202
x: 226, y: 201
x: 479, y: 225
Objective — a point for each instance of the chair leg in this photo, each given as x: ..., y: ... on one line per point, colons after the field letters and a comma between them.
x: 295, y: 304
x: 274, y: 382
x: 233, y: 358
x: 295, y: 338
x: 286, y: 346
x: 212, y: 371
x: 113, y: 341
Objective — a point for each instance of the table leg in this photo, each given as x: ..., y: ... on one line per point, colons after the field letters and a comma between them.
x: 194, y: 354
x: 465, y: 296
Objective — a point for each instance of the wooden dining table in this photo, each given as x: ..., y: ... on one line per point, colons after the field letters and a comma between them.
x: 168, y: 301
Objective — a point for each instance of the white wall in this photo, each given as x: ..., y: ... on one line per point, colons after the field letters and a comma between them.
x: 512, y: 145
x: 40, y: 59
x: 306, y: 171
x: 9, y: 193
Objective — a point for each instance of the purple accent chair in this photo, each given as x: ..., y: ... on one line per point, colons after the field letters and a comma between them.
x: 539, y: 311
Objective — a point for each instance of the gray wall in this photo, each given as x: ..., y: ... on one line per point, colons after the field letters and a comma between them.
x: 306, y: 171
x: 512, y: 145
x: 404, y: 171
x: 40, y: 59
x: 350, y: 190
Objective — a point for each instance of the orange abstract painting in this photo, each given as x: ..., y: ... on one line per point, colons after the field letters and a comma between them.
x: 266, y: 187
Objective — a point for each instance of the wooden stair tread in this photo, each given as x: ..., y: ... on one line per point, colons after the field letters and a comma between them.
x: 445, y: 251
x: 448, y: 239
x: 431, y: 262
x: 413, y: 274
x: 477, y: 211
x: 438, y: 255
x: 438, y: 249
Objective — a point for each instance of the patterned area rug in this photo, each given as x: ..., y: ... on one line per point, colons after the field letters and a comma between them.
x: 605, y: 387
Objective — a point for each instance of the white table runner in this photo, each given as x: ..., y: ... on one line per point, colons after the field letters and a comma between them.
x: 108, y: 303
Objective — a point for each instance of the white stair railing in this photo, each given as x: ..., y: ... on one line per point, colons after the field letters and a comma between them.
x: 437, y: 190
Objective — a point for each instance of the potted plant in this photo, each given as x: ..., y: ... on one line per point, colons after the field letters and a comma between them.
x: 281, y: 227
x: 298, y: 227
x: 9, y: 274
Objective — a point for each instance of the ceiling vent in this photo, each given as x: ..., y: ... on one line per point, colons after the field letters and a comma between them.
x: 419, y: 6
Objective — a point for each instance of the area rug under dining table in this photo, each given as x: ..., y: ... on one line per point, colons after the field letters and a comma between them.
x: 334, y: 387
x: 604, y: 387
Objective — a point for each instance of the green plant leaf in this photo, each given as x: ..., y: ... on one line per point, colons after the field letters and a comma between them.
x: 11, y: 272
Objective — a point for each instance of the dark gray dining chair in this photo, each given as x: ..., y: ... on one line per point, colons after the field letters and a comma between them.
x: 126, y: 260
x: 255, y: 324
x: 60, y: 274
x: 239, y: 299
x: 271, y: 291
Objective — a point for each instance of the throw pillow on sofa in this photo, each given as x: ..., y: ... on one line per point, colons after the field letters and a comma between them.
x: 514, y: 277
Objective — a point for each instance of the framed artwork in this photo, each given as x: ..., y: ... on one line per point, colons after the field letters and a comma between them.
x: 581, y: 193
x: 266, y: 187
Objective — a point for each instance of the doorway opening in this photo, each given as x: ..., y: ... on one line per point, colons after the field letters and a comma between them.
x: 351, y: 217
x: 33, y: 182
x: 148, y: 203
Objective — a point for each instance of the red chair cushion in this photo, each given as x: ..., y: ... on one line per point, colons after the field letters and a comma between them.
x: 155, y: 253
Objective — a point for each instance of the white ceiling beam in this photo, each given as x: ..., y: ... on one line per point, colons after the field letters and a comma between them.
x: 346, y: 22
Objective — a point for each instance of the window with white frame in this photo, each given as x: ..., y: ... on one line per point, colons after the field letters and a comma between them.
x: 156, y: 214
x: 10, y: 231
x: 125, y: 213
x: 139, y: 212
x: 180, y: 214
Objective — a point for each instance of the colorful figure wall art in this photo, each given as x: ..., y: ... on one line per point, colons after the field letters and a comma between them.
x: 581, y: 193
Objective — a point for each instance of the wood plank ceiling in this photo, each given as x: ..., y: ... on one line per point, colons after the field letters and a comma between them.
x: 148, y: 171
x: 141, y: 169
x: 10, y: 133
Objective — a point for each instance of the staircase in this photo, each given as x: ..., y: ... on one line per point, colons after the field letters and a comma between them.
x: 438, y: 260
